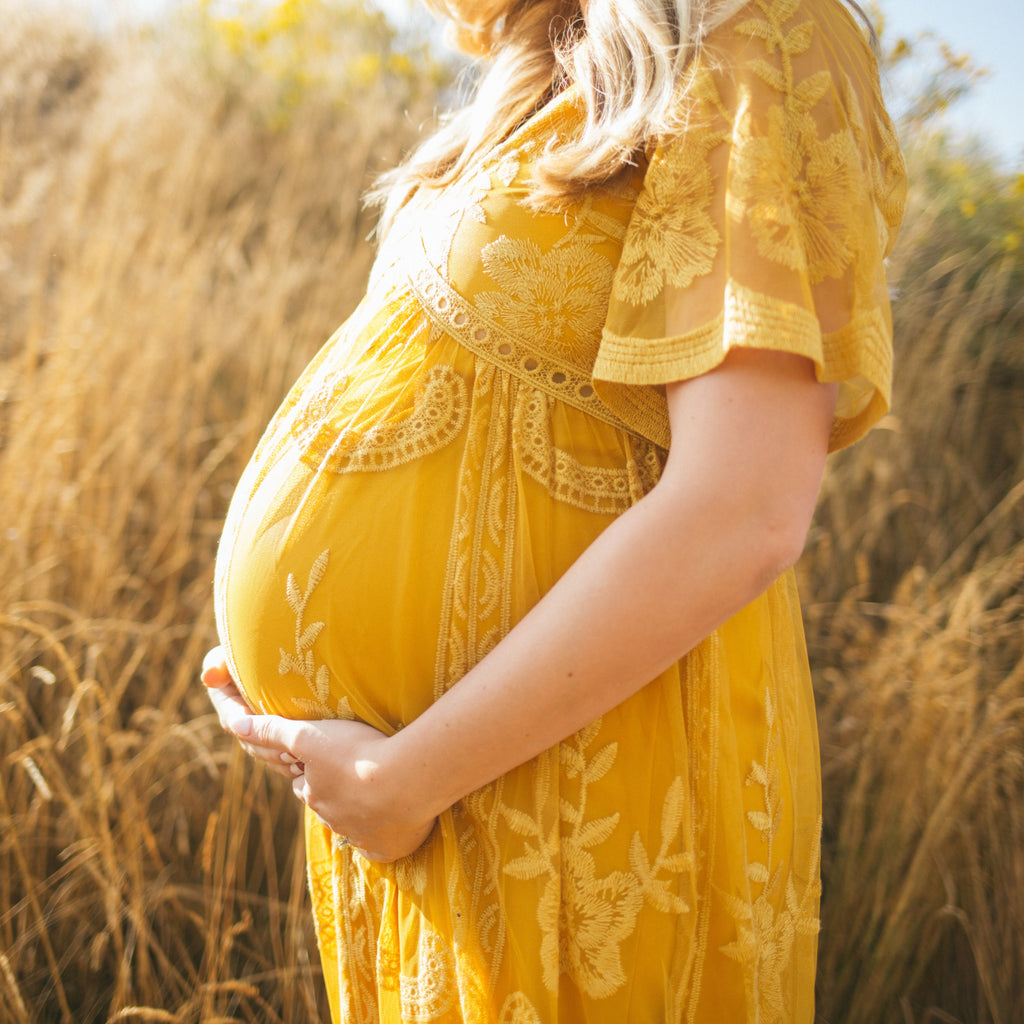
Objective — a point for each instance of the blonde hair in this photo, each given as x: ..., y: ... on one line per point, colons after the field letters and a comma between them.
x: 626, y: 57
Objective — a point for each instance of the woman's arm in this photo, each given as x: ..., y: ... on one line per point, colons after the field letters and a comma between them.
x: 730, y: 513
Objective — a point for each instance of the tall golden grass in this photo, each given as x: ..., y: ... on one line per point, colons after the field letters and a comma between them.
x: 169, y: 259
x: 917, y: 638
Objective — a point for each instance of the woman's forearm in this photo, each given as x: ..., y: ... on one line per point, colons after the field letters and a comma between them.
x: 711, y: 536
x: 649, y: 589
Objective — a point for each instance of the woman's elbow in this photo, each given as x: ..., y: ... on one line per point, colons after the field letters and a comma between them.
x: 780, y: 539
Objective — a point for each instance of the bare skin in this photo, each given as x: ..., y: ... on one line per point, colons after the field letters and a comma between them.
x: 729, y: 514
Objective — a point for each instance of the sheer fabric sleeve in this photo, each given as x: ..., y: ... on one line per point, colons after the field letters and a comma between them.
x: 764, y: 221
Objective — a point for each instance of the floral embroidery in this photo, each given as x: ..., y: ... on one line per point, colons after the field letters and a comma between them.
x: 517, y: 1009
x: 658, y: 891
x: 784, y: 175
x: 543, y: 321
x: 768, y: 924
x: 584, y: 918
x: 795, y: 192
x: 672, y: 239
x: 793, y: 186
x: 458, y: 317
x: 302, y: 662
x: 508, y: 169
x: 559, y: 295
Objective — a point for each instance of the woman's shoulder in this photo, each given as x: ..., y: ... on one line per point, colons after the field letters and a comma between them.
x: 766, y: 213
x: 838, y: 17
x: 800, y: 75
x: 777, y: 38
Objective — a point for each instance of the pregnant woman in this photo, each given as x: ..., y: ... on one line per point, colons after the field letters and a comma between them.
x: 506, y: 589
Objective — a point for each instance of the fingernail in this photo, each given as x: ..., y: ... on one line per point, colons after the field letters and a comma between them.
x: 289, y: 758
x: 241, y: 726
x: 296, y: 770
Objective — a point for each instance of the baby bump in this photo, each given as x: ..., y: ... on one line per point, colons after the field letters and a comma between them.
x: 329, y: 587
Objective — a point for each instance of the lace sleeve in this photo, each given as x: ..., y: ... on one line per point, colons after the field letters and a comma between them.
x: 765, y: 221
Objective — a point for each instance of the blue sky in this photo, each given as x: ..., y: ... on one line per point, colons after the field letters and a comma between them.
x: 991, y: 31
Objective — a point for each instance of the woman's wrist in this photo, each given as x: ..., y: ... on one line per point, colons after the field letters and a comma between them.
x: 407, y: 781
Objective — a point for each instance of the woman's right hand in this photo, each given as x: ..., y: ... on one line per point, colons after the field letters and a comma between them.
x: 231, y: 708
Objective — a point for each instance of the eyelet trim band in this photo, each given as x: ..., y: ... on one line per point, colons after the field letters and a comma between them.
x: 457, y: 317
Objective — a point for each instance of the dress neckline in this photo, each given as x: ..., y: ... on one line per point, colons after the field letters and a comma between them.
x: 549, y: 107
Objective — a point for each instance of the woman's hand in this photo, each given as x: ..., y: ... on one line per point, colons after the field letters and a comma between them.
x: 341, y: 772
x: 231, y: 708
x: 337, y: 768
x: 227, y: 699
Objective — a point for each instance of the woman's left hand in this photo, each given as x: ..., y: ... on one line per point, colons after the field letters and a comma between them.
x: 341, y: 772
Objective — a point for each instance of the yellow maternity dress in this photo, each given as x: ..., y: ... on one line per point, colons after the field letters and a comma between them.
x: 492, y: 405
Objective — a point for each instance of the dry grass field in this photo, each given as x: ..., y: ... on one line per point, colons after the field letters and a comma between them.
x: 170, y: 257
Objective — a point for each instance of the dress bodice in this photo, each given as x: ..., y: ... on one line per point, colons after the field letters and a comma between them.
x: 761, y: 220
x: 528, y: 290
